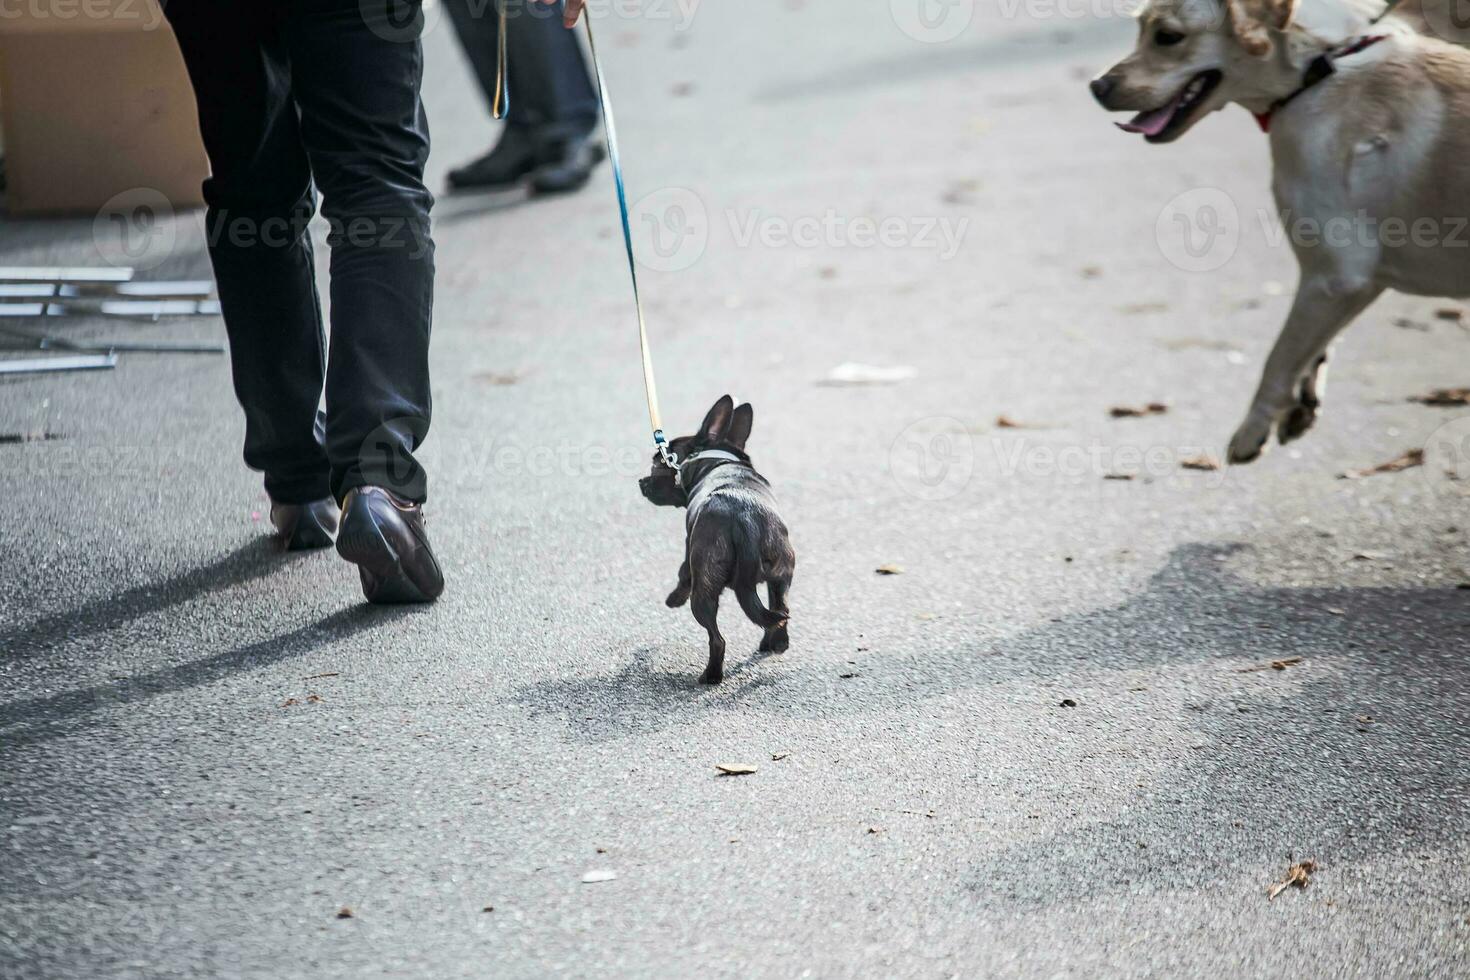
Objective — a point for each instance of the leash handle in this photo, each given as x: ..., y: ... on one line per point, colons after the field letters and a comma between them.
x: 500, y: 105
x: 610, y: 129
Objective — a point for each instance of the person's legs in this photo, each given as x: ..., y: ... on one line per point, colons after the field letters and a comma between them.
x: 356, y: 69
x: 259, y: 202
x: 511, y: 160
x: 550, y: 60
x: 356, y: 72
x: 553, y: 106
x: 548, y: 74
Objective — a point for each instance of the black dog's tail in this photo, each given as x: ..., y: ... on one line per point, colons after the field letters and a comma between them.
x: 748, y: 576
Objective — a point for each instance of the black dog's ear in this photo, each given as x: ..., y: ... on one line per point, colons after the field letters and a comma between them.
x: 740, y: 424
x: 713, y: 428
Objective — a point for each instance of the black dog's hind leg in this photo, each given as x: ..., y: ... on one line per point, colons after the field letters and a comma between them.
x: 776, y: 639
x: 680, y: 595
x: 706, y: 610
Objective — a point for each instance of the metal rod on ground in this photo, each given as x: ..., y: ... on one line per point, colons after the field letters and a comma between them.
x: 46, y: 342
x: 115, y: 308
x: 198, y: 289
x: 48, y: 365
x: 67, y: 274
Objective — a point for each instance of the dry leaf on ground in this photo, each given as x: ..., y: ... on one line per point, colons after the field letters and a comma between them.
x: 1409, y: 460
x: 1006, y: 422
x: 735, y: 769
x: 1298, y: 875
x: 1273, y: 665
x: 1444, y: 397
x: 499, y: 380
x: 1132, y: 412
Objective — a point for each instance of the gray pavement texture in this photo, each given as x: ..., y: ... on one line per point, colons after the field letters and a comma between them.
x: 209, y: 749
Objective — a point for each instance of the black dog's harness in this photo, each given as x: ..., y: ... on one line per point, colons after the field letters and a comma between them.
x: 1321, y: 69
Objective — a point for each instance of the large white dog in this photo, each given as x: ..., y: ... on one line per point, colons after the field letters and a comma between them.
x: 1369, y: 128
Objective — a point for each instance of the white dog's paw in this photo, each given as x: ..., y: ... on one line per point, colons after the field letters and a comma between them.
x: 1303, y: 415
x: 1296, y: 423
x: 1250, y: 440
x: 1289, y: 419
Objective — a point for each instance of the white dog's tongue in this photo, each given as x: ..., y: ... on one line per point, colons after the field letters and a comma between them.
x: 1152, y: 123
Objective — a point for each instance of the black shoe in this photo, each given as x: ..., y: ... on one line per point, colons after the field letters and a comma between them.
x: 511, y: 161
x: 384, y: 537
x: 300, y: 527
x: 567, y: 165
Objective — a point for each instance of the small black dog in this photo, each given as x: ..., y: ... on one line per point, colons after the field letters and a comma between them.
x: 734, y: 536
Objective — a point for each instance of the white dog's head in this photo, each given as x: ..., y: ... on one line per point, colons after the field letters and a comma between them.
x: 1195, y: 57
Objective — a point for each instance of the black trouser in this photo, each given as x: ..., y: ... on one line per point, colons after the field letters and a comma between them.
x: 288, y: 91
x: 551, y: 93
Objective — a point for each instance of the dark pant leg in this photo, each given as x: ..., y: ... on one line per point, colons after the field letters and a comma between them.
x: 356, y: 69
x: 259, y: 202
x: 551, y: 90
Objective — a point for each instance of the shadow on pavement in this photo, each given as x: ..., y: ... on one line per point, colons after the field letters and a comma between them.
x: 259, y: 558
x: 1363, y: 769
x: 40, y: 719
x: 1191, y: 611
x: 460, y: 206
x: 1371, y: 744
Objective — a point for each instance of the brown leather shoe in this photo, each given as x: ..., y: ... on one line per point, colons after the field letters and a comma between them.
x: 300, y: 527
x: 384, y: 536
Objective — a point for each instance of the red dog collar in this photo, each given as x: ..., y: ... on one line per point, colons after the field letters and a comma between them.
x: 1321, y: 69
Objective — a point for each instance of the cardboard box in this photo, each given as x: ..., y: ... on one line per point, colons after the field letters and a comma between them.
x: 94, y: 102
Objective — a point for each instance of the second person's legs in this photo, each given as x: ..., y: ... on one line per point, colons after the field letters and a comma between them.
x: 553, y: 105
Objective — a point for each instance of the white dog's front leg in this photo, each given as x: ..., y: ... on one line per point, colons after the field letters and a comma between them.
x: 1287, y: 398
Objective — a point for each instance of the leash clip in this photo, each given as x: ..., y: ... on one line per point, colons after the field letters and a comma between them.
x: 661, y: 443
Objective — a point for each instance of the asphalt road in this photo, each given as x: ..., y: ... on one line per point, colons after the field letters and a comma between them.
x: 209, y: 749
